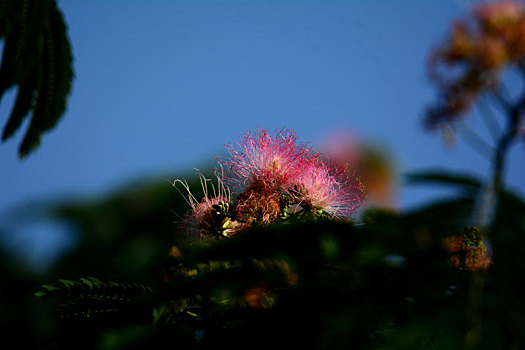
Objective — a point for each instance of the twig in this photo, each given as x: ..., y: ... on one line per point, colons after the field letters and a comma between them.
x: 504, y: 91
x: 476, y: 142
x: 502, y: 101
x: 489, y: 119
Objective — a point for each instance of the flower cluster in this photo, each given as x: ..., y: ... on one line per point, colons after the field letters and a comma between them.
x: 471, y: 62
x: 276, y: 177
x: 467, y: 251
x: 211, y: 215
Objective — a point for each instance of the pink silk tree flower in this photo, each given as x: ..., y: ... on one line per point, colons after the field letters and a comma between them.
x: 328, y: 189
x: 277, y: 176
x: 201, y: 220
x: 258, y: 204
x: 210, y: 216
x: 269, y: 158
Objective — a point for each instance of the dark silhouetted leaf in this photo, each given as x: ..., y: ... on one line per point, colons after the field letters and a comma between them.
x: 37, y: 59
x: 442, y: 178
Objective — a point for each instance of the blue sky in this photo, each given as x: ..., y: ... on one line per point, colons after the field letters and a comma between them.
x: 161, y: 86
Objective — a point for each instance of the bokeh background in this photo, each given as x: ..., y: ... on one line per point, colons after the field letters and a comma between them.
x: 161, y: 86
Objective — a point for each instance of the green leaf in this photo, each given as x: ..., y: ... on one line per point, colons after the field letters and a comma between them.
x: 37, y: 59
x: 21, y: 108
x: 87, y: 283
x: 50, y: 288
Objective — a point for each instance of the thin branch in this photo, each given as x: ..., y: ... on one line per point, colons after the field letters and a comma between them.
x: 505, y: 93
x: 488, y: 202
x: 520, y: 67
x: 476, y: 142
x: 489, y: 119
x: 506, y: 140
x: 502, y: 101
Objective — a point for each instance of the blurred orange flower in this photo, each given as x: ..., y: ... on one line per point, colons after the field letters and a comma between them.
x: 472, y: 60
x: 467, y: 251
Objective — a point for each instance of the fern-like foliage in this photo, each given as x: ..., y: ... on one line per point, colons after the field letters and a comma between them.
x: 37, y: 59
x: 89, y: 296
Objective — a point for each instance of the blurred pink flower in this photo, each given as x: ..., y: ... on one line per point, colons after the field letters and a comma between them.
x: 373, y: 165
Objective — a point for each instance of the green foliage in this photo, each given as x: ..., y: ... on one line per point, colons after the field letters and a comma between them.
x: 298, y: 284
x: 92, y: 288
x: 386, y: 283
x: 37, y: 59
x: 89, y: 296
